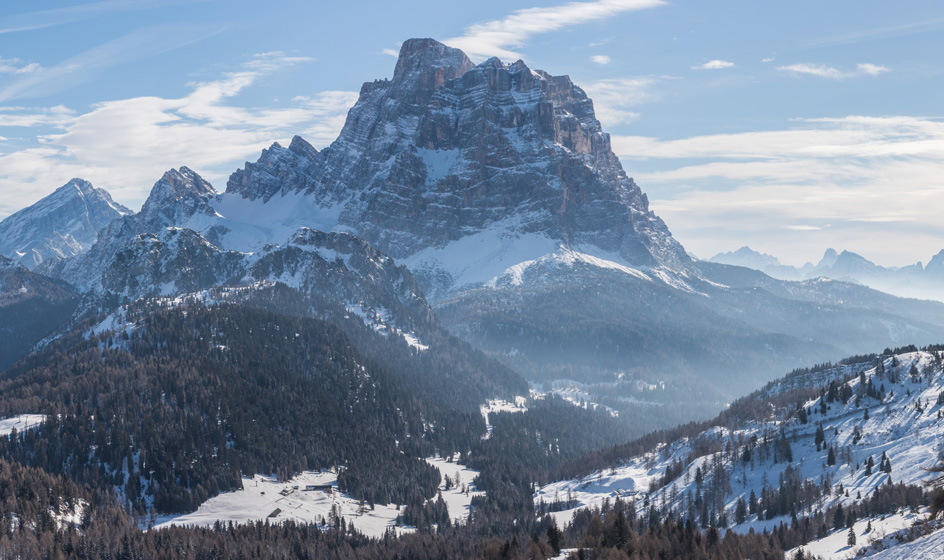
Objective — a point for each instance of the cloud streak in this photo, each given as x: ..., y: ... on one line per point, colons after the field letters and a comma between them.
x: 879, y: 33
x: 714, y: 65
x: 612, y: 99
x: 43, y: 19
x: 85, y: 66
x: 500, y: 37
x: 823, y: 71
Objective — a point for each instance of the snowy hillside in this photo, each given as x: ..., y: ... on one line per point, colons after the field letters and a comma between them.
x: 806, y: 445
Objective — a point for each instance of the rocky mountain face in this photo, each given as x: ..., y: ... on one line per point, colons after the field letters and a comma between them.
x: 178, y: 196
x: 61, y: 225
x: 447, y: 150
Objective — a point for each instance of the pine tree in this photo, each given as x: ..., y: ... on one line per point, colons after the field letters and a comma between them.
x: 554, y: 537
x: 851, y: 540
x: 740, y: 511
x: 831, y: 457
x: 839, y: 518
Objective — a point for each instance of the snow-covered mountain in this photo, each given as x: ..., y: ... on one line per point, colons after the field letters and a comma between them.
x: 917, y: 280
x: 768, y: 264
x: 190, y: 245
x: 804, y: 445
x: 496, y: 186
x: 494, y: 163
x: 332, y: 271
x: 61, y: 225
x: 177, y: 197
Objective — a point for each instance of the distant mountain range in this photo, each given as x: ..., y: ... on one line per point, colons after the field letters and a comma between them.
x: 916, y: 281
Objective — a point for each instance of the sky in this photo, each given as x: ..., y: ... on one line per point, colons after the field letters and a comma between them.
x: 790, y: 127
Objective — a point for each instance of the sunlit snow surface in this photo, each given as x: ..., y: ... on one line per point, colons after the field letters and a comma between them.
x: 262, y: 495
x: 887, y: 533
x: 21, y: 423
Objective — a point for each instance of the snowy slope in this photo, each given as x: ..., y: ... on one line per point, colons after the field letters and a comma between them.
x: 905, y: 425
x: 875, y: 538
x: 928, y: 547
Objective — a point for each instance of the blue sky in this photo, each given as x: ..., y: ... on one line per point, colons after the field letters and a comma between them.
x: 786, y: 126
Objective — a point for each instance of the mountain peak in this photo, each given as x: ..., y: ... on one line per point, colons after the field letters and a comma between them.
x: 301, y: 147
x: 448, y: 150
x: 62, y: 224
x: 936, y: 264
x: 180, y: 193
x: 746, y: 257
x: 829, y: 258
x: 422, y: 56
x: 76, y: 184
x: 179, y: 182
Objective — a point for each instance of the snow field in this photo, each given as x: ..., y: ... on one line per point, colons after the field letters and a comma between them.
x: 21, y: 423
x: 262, y: 495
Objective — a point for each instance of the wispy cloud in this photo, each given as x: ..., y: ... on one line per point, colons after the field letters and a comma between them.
x: 828, y: 181
x: 85, y: 66
x: 58, y: 16
x: 499, y: 37
x: 768, y: 59
x: 873, y: 34
x: 601, y: 59
x: 125, y: 145
x: 823, y: 71
x: 390, y: 52
x: 17, y: 66
x: 613, y: 98
x: 29, y: 117
x: 871, y: 69
x: 802, y: 228
x: 714, y: 65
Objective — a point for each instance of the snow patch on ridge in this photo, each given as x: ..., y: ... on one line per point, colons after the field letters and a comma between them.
x: 514, y: 275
